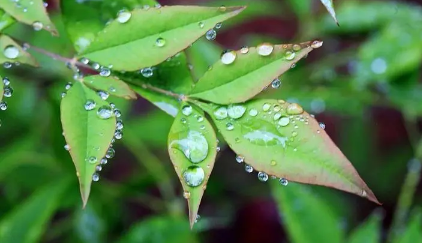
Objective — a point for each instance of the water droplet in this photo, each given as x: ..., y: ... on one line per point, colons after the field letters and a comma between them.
x: 296, y: 47
x: 6, y: 81
x: 228, y: 57
x: 284, y: 181
x: 322, y: 125
x: 200, y: 119
x: 197, y: 218
x: 96, y: 66
x: 117, y: 113
x: 253, y: 112
x: 222, y: 8
x: 276, y: 83
x: 123, y: 16
x: 316, y: 44
x: 118, y: 134
x: 187, y: 110
x: 104, y: 112
x: 284, y: 121
x: 147, y: 72
x: 265, y: 49
x: 186, y: 195
x: 262, y: 176
x: 67, y: 147
x: 8, y: 91
x: 92, y: 160
x: 37, y: 26
x: 194, y: 176
x: 98, y: 168
x: 201, y: 25
x: 229, y: 126
x: 110, y: 153
x: 193, y: 144
x: 290, y: 55
x: 95, y: 177
x: 183, y: 120
x: 262, y: 133
x: 240, y: 159
x: 11, y: 52
x: 248, y: 168
x: 105, y: 72
x: 3, y: 105
x: 119, y: 125
x: 221, y: 113
x: 160, y: 42
x: 277, y: 116
x: 236, y: 111
x: 218, y: 149
x: 294, y: 109
x: 293, y: 65
x: 277, y: 108
x: 244, y: 50
x: 84, y: 60
x: 104, y: 95
x: 273, y: 162
x: 90, y: 105
x: 266, y: 107
x: 103, y: 161
x: 294, y: 134
x: 211, y: 34
x: 7, y: 65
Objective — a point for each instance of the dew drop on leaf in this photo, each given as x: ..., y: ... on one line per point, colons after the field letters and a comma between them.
x: 296, y: 47
x: 218, y: 25
x: 240, y: 159
x: 194, y: 176
x: 103, y: 161
x: 187, y: 110
x: 284, y: 121
x: 67, y: 147
x: 104, y: 112
x: 277, y: 116
x: 118, y: 135
x: 201, y: 25
x: 37, y: 25
x: 8, y: 91
x: 90, y: 105
x: 228, y: 57
x: 110, y: 153
x: 104, y: 95
x: 262, y: 133
x: 284, y: 181
x: 160, y: 42
x: 11, y: 52
x: 123, y: 16
x: 221, y: 113
x: 290, y: 55
x: 119, y: 125
x: 265, y: 49
x: 186, y: 195
x: 275, y: 84
x: 294, y: 109
x: 244, y: 50
x: 316, y: 44
x: 262, y: 176
x: 6, y: 81
x: 147, y: 72
x: 266, y: 107
x: 105, y: 72
x: 3, y: 105
x: 248, y: 168
x: 322, y: 125
x: 222, y: 8
x: 192, y: 144
x: 211, y: 34
x: 253, y: 112
x: 229, y: 126
x: 236, y: 111
x: 95, y: 177
x: 92, y: 160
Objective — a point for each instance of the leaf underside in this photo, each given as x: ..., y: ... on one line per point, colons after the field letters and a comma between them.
x: 192, y: 135
x: 249, y: 74
x: 177, y: 27
x: 23, y: 56
x: 85, y: 133
x: 328, y: 4
x: 298, y: 150
x: 112, y: 85
x: 167, y: 104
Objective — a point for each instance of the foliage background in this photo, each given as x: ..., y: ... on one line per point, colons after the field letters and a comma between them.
x: 364, y: 84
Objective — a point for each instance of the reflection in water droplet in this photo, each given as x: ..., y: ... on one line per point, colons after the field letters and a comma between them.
x: 104, y: 112
x: 193, y: 144
x: 123, y: 16
x: 211, y: 34
x: 194, y: 176
x: 95, y: 177
x: 228, y: 57
x: 290, y: 55
x: 265, y: 49
x: 296, y: 47
x: 275, y: 84
x: 90, y: 105
x: 262, y: 176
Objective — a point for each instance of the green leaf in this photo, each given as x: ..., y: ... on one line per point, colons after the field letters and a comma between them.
x: 11, y: 52
x: 134, y: 45
x: 112, y: 85
x: 281, y: 140
x: 82, y: 22
x: 369, y: 231
x: 192, y: 145
x: 168, y: 104
x: 1, y: 88
x: 301, y: 8
x: 249, y: 74
x: 88, y: 136
x: 330, y: 8
x: 413, y: 232
x: 306, y: 216
x: 202, y: 54
x: 162, y: 229
x: 5, y: 20
x: 27, y: 222
x: 35, y: 13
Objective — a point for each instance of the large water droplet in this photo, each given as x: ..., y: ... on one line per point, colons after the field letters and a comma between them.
x: 284, y: 121
x: 194, y: 145
x: 104, y: 112
x: 228, y: 57
x: 262, y: 176
x: 160, y: 42
x: 147, y: 72
x: 11, y: 52
x: 316, y: 44
x: 194, y: 176
x: 294, y: 109
x: 187, y: 110
x: 290, y: 55
x: 211, y: 34
x: 37, y: 26
x: 262, y: 133
x: 221, y: 113
x: 123, y: 16
x: 276, y: 83
x: 236, y: 111
x: 265, y: 49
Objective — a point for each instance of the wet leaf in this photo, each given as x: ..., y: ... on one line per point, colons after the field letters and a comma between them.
x: 111, y: 85
x: 5, y: 20
x: 82, y: 22
x: 369, y: 231
x: 202, y: 54
x: 1, y: 88
x: 281, y: 140
x: 306, y: 215
x: 11, y: 52
x: 120, y: 44
x: 168, y: 104
x: 249, y: 74
x: 35, y: 14
x: 87, y: 135
x: 192, y: 145
x: 27, y: 222
x: 330, y: 8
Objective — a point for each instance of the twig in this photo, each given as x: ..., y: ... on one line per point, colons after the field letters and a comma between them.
x: 163, y: 91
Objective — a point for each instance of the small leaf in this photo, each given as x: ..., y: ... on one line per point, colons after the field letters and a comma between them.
x: 27, y: 222
x: 192, y: 145
x: 250, y: 72
x: 330, y: 7
x: 131, y: 44
x: 413, y: 232
x: 11, y: 52
x: 87, y: 135
x: 35, y: 14
x: 369, y: 231
x: 306, y: 216
x: 5, y: 20
x: 168, y: 104
x: 112, y: 85
x: 281, y: 140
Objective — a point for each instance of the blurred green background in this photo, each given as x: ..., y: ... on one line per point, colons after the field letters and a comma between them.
x: 364, y: 84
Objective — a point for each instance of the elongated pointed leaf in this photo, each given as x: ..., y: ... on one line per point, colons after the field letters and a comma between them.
x: 413, y: 232
x: 11, y: 52
x: 306, y: 217
x: 249, y: 74
x: 27, y: 222
x: 281, y: 140
x: 330, y: 8
x: 368, y: 232
x: 30, y: 12
x: 168, y: 104
x: 87, y: 135
x: 5, y: 20
x: 151, y: 36
x: 192, y: 145
x: 112, y: 85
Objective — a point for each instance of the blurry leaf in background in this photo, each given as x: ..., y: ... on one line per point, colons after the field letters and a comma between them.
x: 89, y: 226
x: 118, y: 44
x: 330, y: 8
x: 168, y: 104
x: 192, y: 146
x: 89, y: 126
x: 301, y: 8
x: 160, y: 229
x: 12, y: 52
x: 305, y: 216
x: 5, y: 20
x: 201, y: 55
x: 412, y: 233
x: 27, y: 222
x: 368, y: 231
x: 112, y: 85
x: 248, y: 71
x: 280, y: 139
x: 31, y: 12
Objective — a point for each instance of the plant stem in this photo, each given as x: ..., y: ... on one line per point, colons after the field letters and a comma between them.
x: 165, y: 92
